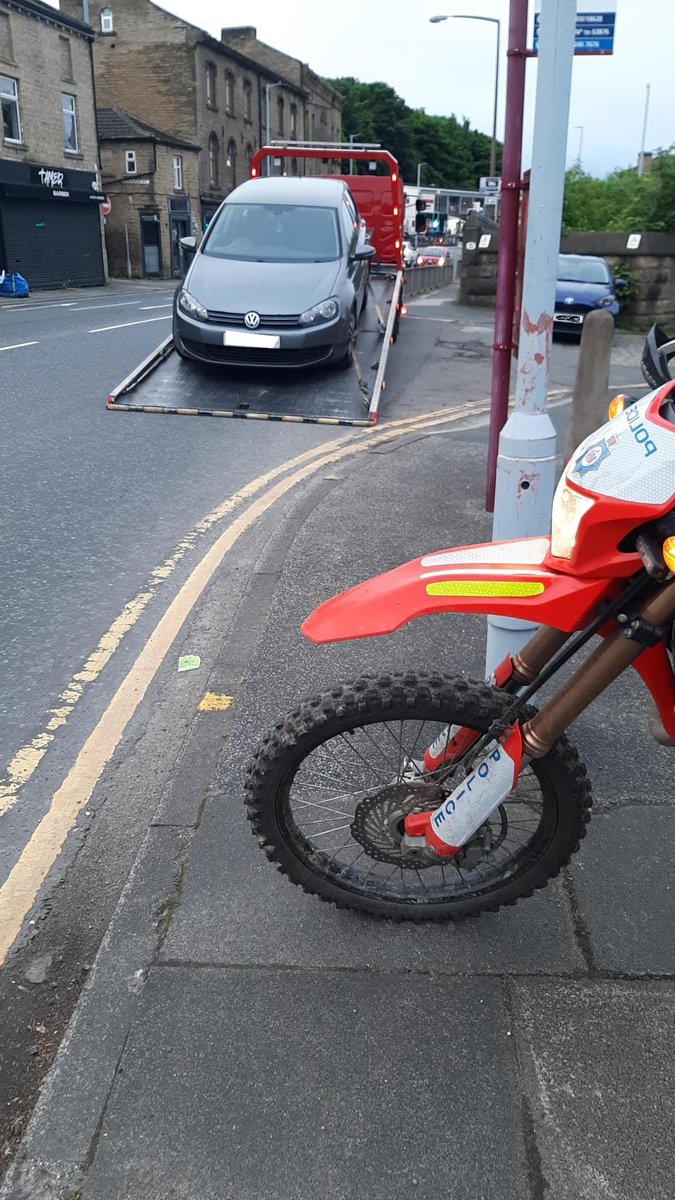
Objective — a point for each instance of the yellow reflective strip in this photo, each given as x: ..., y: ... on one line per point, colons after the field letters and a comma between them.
x: 477, y: 587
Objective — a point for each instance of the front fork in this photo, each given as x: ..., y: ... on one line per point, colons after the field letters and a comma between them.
x: 470, y: 804
x: 636, y: 627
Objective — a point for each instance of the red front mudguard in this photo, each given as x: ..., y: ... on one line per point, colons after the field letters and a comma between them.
x: 503, y: 578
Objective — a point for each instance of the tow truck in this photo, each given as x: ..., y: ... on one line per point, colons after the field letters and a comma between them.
x: 166, y: 383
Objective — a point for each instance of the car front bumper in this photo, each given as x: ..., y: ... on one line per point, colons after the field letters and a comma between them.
x: 298, y: 346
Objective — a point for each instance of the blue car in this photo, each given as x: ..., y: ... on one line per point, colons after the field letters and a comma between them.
x: 583, y: 283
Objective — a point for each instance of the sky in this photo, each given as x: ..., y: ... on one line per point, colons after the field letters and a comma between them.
x: 450, y: 67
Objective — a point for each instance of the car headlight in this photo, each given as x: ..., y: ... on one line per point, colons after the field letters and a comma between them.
x: 441, y: 262
x: 191, y: 306
x: 327, y: 310
x: 569, y: 507
x: 420, y: 260
x: 604, y: 302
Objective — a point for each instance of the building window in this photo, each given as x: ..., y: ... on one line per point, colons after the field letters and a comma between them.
x: 130, y: 165
x: 106, y: 20
x: 294, y: 120
x: 66, y: 58
x: 9, y: 98
x: 177, y: 173
x: 249, y: 156
x: 69, y: 113
x: 6, y: 51
x: 229, y: 93
x: 248, y: 101
x: 280, y: 117
x: 232, y: 161
x: 211, y: 85
x: 214, y: 150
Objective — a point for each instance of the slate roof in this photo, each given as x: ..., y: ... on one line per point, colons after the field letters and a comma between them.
x: 118, y: 125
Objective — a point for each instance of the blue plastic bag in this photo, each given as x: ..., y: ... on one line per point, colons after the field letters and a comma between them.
x: 13, y: 285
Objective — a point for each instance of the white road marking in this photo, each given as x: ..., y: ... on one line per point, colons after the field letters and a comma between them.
x: 445, y: 320
x: 33, y: 307
x: 18, y: 346
x: 127, y: 324
x: 150, y: 307
x: 94, y: 307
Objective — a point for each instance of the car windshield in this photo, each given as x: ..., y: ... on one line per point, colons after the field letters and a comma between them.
x: 582, y: 270
x: 274, y: 233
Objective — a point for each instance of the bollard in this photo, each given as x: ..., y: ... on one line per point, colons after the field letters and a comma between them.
x: 589, y: 402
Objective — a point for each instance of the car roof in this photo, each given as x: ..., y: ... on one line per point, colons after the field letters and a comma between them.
x: 586, y: 257
x: 283, y: 190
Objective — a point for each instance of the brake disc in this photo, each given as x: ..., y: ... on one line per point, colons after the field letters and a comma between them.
x: 378, y: 823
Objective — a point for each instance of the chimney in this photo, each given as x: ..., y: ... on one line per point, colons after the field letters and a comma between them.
x: 238, y: 36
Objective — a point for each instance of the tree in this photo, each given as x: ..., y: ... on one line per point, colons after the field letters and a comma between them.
x: 623, y: 201
x: 456, y: 155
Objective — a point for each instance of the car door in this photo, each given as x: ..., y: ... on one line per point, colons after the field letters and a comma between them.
x: 357, y: 271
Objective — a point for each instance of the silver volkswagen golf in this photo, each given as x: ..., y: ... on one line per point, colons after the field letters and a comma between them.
x: 279, y: 279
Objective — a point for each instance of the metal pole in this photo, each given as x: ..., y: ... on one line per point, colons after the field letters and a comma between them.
x: 526, y: 466
x: 581, y: 142
x: 641, y: 160
x: 493, y: 147
x: 126, y: 239
x: 419, y: 173
x: 508, y: 234
x: 268, y: 88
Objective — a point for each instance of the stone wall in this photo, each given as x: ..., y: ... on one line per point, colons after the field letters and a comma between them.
x: 651, y: 262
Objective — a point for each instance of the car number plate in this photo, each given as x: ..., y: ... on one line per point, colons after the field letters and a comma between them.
x: 261, y: 341
x: 568, y: 318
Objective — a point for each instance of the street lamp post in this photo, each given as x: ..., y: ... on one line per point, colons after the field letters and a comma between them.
x: 491, y: 21
x: 268, y: 89
x: 352, y: 139
x: 641, y: 159
x: 419, y: 172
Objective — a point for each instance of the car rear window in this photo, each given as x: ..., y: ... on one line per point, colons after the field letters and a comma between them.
x: 582, y: 270
x: 274, y: 233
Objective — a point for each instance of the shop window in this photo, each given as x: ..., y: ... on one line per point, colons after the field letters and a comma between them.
x: 229, y: 93
x: 11, y: 118
x: 66, y: 58
x: 69, y: 113
x: 214, y: 151
x: 211, y: 76
x: 6, y: 49
x: 178, y: 172
x: 106, y: 20
x: 248, y: 101
x: 130, y: 164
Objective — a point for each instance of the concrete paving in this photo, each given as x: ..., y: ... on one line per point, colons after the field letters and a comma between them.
x: 238, y: 1039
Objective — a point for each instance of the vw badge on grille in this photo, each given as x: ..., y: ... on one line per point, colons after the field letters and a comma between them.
x: 252, y: 320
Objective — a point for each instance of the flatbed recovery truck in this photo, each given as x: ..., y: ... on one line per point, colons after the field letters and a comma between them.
x: 166, y: 383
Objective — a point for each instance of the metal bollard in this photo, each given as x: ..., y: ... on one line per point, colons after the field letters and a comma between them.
x: 589, y: 402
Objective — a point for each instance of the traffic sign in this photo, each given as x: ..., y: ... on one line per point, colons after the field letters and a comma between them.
x: 594, y: 32
x: 489, y: 183
x: 106, y: 207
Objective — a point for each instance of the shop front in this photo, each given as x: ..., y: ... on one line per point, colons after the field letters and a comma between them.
x: 50, y: 228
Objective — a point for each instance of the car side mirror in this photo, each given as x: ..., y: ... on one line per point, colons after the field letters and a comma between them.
x: 188, y: 243
x: 362, y: 252
x: 620, y: 283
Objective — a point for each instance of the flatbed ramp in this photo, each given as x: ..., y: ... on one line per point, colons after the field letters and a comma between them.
x: 167, y: 384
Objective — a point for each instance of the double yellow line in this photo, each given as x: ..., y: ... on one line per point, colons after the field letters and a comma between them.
x: 19, y: 892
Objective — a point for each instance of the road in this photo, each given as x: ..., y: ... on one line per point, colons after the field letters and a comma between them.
x: 95, y: 505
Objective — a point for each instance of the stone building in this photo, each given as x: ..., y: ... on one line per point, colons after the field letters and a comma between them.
x: 178, y: 78
x: 151, y: 180
x: 50, y: 223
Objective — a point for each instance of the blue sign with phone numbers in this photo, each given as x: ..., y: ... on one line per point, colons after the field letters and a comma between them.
x: 594, y: 33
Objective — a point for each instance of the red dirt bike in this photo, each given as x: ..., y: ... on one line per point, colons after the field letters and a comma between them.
x: 430, y: 797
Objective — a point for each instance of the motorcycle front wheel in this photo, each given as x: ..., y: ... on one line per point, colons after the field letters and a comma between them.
x: 328, y: 790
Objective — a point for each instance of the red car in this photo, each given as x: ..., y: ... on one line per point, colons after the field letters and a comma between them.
x: 432, y: 256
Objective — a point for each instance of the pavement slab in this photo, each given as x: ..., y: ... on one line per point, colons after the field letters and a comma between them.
x: 295, y: 1085
x: 236, y: 909
x: 624, y: 881
x: 598, y: 1063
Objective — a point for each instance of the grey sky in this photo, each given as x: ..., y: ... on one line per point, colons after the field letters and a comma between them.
x: 449, y: 68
